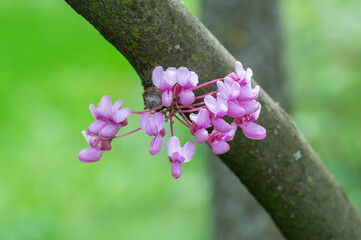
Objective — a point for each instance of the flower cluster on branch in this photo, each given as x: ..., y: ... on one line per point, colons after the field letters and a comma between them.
x: 203, y: 115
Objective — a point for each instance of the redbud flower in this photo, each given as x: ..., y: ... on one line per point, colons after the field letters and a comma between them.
x: 201, y: 121
x: 178, y: 155
x: 244, y: 78
x: 251, y: 129
x: 219, y: 108
x: 153, y: 126
x: 94, y: 152
x: 218, y: 140
x: 235, y: 98
x: 164, y: 80
x: 188, y: 80
x: 230, y: 89
x: 109, y: 118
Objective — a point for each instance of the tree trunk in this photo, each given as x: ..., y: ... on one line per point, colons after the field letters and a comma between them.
x: 241, y: 26
x: 283, y: 172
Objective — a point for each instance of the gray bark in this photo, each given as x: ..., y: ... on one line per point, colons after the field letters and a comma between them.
x: 283, y: 172
x: 251, y: 31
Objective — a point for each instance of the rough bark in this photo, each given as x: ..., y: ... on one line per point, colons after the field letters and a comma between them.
x: 283, y: 172
x: 237, y: 214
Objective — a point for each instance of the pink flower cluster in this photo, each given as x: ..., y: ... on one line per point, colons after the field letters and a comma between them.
x: 234, y: 98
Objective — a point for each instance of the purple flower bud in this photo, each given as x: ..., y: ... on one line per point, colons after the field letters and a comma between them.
x: 156, y: 144
x: 202, y: 118
x: 152, y: 125
x: 217, y: 106
x: 220, y: 147
x: 201, y: 135
x: 221, y: 125
x: 177, y: 154
x: 253, y: 130
x: 167, y: 98
x: 109, y: 118
x: 176, y: 169
x: 90, y: 154
x: 186, y: 97
x: 109, y: 131
x: 235, y: 109
x: 96, y: 127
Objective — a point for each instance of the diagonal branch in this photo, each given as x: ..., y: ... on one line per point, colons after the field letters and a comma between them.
x: 282, y: 171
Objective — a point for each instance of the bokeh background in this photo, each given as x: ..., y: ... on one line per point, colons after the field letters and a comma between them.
x: 53, y: 64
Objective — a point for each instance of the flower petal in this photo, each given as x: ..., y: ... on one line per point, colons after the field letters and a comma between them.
x: 222, y: 106
x: 203, y: 120
x: 211, y: 104
x: 183, y: 75
x: 158, y: 120
x: 230, y: 135
x: 117, y: 105
x: 109, y: 131
x: 96, y: 127
x: 170, y: 77
x: 167, y: 98
x: 193, y: 81
x: 186, y: 97
x: 144, y: 120
x: 239, y: 70
x: 90, y: 154
x: 188, y: 150
x: 176, y: 169
x: 177, y: 157
x: 229, y: 81
x: 105, y: 104
x: 235, y: 110
x: 254, y: 116
x: 253, y: 130
x: 248, y: 94
x: 220, y: 147
x: 94, y: 111
x: 221, y: 125
x: 157, y: 76
x: 249, y: 74
x: 201, y: 135
x: 122, y: 114
x: 173, y: 145
x: 235, y: 91
x: 250, y: 106
x: 156, y: 145
x: 223, y: 89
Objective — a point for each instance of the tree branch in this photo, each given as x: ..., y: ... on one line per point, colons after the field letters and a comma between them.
x: 282, y: 171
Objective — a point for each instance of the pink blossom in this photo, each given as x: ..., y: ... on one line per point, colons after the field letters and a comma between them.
x: 165, y: 80
x: 218, y: 140
x: 94, y: 152
x: 201, y: 121
x: 244, y: 79
x: 217, y: 106
x: 251, y: 129
x: 187, y: 80
x: 230, y: 89
x: 235, y: 98
x: 178, y: 155
x: 244, y: 76
x: 153, y: 126
x: 110, y: 118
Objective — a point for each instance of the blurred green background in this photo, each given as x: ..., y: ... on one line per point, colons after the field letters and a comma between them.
x: 53, y: 64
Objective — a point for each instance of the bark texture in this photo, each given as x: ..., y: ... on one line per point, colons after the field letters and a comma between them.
x: 283, y: 172
x: 241, y: 26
